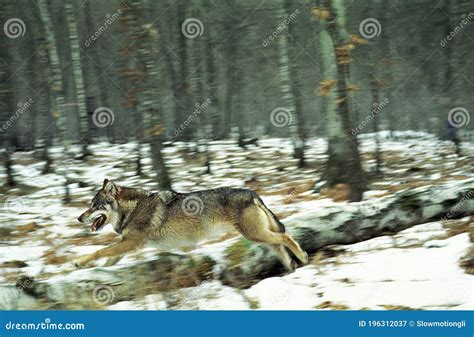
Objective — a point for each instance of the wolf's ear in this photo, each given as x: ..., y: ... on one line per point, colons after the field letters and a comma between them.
x: 109, y: 187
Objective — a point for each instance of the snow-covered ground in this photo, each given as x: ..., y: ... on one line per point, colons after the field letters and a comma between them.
x: 417, y: 268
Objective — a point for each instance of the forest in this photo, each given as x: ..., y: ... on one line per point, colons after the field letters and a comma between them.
x: 350, y: 118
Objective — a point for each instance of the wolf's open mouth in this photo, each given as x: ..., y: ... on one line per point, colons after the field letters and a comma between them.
x: 98, y: 222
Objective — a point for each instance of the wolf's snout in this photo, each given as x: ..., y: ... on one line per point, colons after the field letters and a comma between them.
x: 79, y: 218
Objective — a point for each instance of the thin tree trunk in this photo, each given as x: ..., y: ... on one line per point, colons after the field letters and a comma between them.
x: 286, y: 85
x: 78, y: 78
x: 299, y: 141
x: 184, y: 89
x: 375, y: 103
x: 214, y: 108
x: 56, y: 87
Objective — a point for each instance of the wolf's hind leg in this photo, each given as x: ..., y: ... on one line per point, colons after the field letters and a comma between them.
x: 255, y: 225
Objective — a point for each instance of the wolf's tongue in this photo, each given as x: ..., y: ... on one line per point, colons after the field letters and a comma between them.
x: 96, y: 223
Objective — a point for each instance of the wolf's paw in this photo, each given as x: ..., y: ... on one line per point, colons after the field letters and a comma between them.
x: 305, y: 258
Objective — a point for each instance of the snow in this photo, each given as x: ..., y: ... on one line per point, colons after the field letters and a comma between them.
x: 371, y: 275
x: 416, y: 268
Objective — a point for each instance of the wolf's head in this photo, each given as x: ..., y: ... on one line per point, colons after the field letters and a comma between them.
x: 104, y: 208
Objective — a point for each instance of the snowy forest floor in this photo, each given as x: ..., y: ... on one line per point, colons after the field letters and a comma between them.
x: 428, y: 266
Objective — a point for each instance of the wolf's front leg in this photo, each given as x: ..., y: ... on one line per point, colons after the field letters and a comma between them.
x: 115, y: 250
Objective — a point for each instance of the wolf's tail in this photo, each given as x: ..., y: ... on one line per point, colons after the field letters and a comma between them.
x: 269, y: 214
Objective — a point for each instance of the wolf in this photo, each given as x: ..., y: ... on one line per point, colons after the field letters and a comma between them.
x: 171, y: 220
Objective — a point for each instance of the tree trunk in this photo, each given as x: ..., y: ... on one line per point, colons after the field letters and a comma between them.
x: 376, y: 128
x: 78, y: 78
x: 6, y: 98
x: 230, y: 68
x: 55, y: 87
x: 154, y: 129
x: 344, y: 164
x: 214, y: 108
x: 288, y: 75
x: 184, y: 89
x: 299, y: 141
x: 59, y: 112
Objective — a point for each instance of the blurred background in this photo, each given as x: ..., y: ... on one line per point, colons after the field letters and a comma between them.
x: 310, y: 103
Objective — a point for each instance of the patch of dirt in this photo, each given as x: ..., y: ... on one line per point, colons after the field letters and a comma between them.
x: 330, y: 305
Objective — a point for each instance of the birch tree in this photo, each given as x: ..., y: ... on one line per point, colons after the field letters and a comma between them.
x: 6, y: 101
x: 78, y: 78
x: 56, y: 86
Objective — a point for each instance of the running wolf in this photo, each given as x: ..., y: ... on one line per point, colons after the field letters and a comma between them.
x: 171, y: 220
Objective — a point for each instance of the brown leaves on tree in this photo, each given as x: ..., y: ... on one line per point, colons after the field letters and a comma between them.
x: 155, y: 131
x: 358, y: 40
x: 320, y: 13
x: 343, y: 53
x: 129, y: 102
x: 325, y: 87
